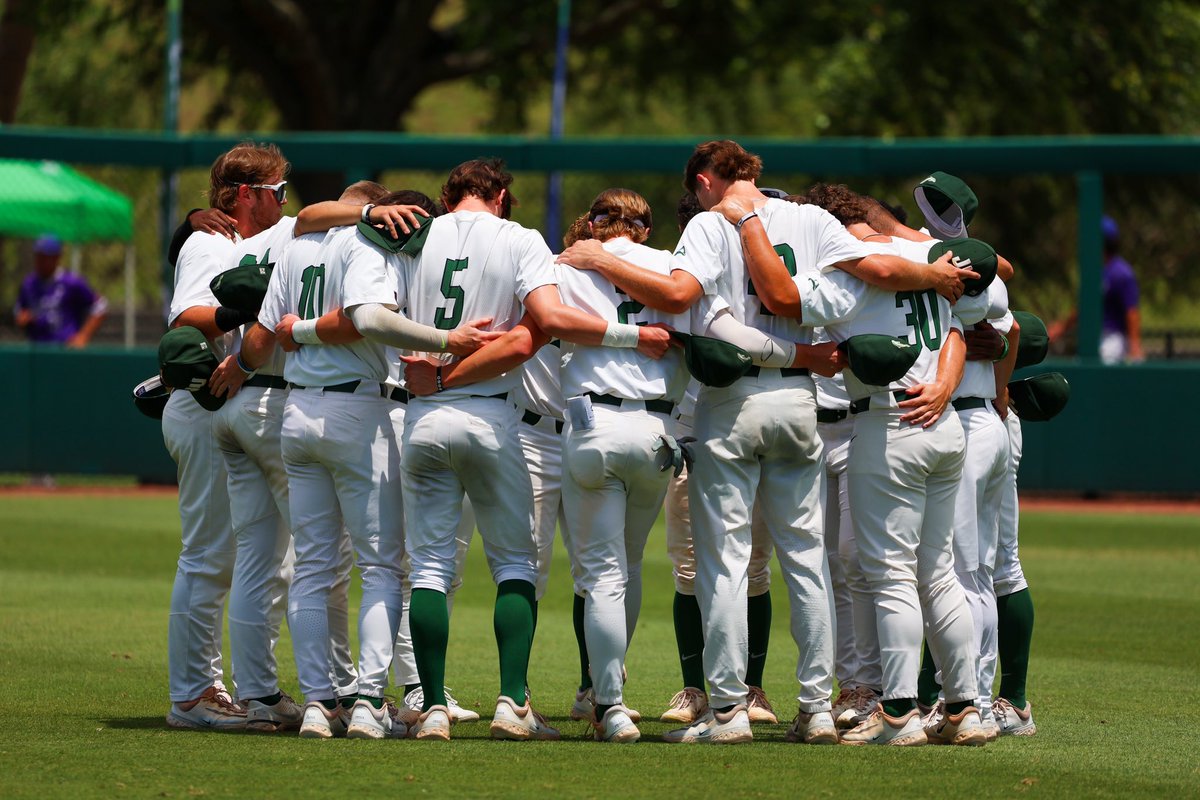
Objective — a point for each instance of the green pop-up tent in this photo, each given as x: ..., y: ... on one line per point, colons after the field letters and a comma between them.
x: 45, y: 197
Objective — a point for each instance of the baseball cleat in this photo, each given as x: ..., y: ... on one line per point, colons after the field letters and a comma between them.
x: 584, y: 707
x: 687, y: 706
x: 320, y: 722
x: 1013, y: 721
x: 853, y: 706
x: 987, y: 719
x: 815, y: 728
x: 414, y: 700
x: 617, y: 726
x: 931, y: 716
x: 519, y: 723
x: 879, y: 728
x: 758, y: 707
x: 285, y: 715
x: 368, y: 722
x: 963, y: 728
x: 212, y: 710
x: 729, y: 727
x: 433, y: 724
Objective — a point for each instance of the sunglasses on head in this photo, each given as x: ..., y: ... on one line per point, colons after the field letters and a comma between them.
x: 278, y: 189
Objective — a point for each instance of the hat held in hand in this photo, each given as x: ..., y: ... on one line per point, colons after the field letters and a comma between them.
x: 186, y: 361
x: 711, y: 361
x: 877, y: 359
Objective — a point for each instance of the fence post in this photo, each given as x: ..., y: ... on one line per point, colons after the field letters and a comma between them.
x: 1091, y: 259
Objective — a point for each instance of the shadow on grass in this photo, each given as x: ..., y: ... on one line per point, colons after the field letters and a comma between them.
x: 136, y: 723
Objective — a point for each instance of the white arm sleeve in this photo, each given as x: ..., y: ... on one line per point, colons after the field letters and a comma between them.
x: 765, y: 350
x: 382, y: 325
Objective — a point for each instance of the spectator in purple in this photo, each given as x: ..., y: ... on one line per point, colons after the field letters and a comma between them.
x: 55, y: 306
x: 1121, y: 331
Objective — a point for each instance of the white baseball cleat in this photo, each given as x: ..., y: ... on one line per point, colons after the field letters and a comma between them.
x: 617, y: 726
x: 987, y: 719
x: 853, y: 706
x: 758, y: 707
x: 285, y: 715
x: 728, y: 727
x: 433, y: 724
x: 212, y: 710
x: 368, y: 722
x: 414, y: 700
x: 1013, y: 721
x: 687, y: 706
x: 320, y: 722
x: 584, y: 707
x: 879, y: 728
x: 520, y: 723
x: 814, y: 728
x: 963, y: 728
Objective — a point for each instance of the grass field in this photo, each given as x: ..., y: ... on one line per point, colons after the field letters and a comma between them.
x: 85, y: 583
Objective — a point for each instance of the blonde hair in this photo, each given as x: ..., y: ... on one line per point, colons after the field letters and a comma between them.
x: 245, y: 165
x: 615, y: 212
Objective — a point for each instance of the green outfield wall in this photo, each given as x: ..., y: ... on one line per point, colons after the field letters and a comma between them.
x: 1126, y: 429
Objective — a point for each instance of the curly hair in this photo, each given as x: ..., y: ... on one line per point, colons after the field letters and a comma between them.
x: 839, y: 200
x: 726, y: 159
x: 246, y: 164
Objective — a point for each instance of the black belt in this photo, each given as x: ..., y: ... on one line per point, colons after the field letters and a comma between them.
x: 266, y: 382
x: 968, y: 403
x: 530, y: 418
x: 831, y: 415
x: 350, y: 387
x: 398, y: 394
x: 656, y: 406
x: 859, y: 406
x: 786, y: 372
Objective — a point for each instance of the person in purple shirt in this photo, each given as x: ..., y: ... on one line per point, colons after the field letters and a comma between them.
x: 1121, y: 327
x: 55, y: 306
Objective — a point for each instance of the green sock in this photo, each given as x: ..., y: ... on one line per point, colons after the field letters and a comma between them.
x: 346, y: 701
x: 330, y: 705
x: 408, y: 687
x: 429, y: 623
x: 899, y: 706
x: 376, y: 702
x: 1014, y: 637
x: 689, y: 637
x: 954, y: 708
x: 758, y: 619
x: 585, y: 673
x: 927, y: 685
x: 513, y: 623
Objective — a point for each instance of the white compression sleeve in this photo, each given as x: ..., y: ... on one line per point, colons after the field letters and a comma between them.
x: 765, y: 350
x: 380, y: 324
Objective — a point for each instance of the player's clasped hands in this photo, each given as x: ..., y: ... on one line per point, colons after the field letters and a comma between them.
x: 283, y: 333
x: 470, y: 336
x: 420, y: 375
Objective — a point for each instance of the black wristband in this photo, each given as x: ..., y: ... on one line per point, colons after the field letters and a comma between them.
x: 438, y: 379
x: 229, y: 318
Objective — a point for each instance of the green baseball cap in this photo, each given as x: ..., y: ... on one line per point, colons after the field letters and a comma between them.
x: 186, y: 361
x: 408, y: 243
x: 150, y: 397
x: 973, y: 254
x: 713, y: 362
x: 1034, y: 342
x: 948, y: 204
x: 1041, y: 397
x: 877, y: 359
x: 243, y: 287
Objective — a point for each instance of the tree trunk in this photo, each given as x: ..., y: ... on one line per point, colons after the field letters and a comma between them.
x: 16, y: 43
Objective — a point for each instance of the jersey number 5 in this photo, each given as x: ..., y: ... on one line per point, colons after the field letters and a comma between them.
x: 312, y: 292
x: 448, y: 317
x: 922, y: 317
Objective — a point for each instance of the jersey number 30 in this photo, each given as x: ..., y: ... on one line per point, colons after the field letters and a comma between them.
x: 922, y: 317
x: 448, y: 316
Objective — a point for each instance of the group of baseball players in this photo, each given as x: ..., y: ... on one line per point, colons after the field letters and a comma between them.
x: 367, y: 383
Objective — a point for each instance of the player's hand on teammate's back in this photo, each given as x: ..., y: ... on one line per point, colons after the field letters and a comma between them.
x: 404, y: 217
x: 984, y: 343
x: 926, y: 402
x: 654, y: 340
x: 227, y: 378
x: 948, y: 279
x: 214, y: 220
x: 470, y: 336
x: 420, y: 375
x: 283, y: 333
x: 584, y: 254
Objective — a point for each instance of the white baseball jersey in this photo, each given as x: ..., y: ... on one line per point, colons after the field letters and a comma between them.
x: 474, y: 264
x: 264, y: 249
x: 540, y: 390
x: 979, y: 377
x: 847, y: 306
x: 203, y: 257
x: 831, y: 392
x: 805, y: 236
x: 623, y: 372
x: 346, y: 270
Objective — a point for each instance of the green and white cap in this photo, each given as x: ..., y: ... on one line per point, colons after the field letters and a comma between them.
x: 878, y: 359
x: 408, y: 243
x: 243, y: 287
x: 713, y: 362
x: 1034, y: 342
x: 1041, y: 397
x: 948, y: 204
x: 186, y: 361
x: 972, y: 254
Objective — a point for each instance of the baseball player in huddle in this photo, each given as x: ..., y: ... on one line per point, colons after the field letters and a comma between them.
x: 904, y: 467
x: 245, y: 182
x: 476, y: 263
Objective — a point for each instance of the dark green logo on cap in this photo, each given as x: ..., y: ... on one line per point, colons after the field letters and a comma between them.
x: 973, y: 254
x: 948, y: 204
x: 712, y: 361
x: 1041, y: 397
x: 186, y: 361
x: 1034, y: 342
x: 877, y: 359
